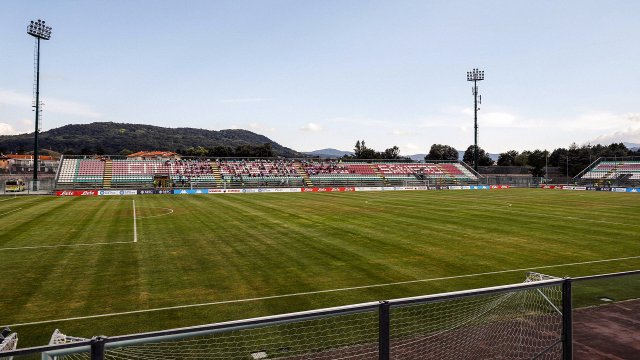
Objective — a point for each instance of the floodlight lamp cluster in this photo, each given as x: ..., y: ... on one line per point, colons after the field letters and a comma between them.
x: 475, y: 75
x: 39, y: 30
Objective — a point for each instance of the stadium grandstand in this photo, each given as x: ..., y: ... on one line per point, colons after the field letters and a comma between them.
x: 171, y: 170
x: 612, y: 171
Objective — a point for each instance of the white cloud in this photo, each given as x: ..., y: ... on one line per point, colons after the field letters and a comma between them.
x: 242, y: 100
x: 499, y: 119
x: 13, y: 98
x: 359, y: 120
x: 311, y: 127
x: 398, y: 132
x: 411, y: 148
x: 259, y: 128
x: 628, y: 135
x: 7, y: 129
x: 70, y: 108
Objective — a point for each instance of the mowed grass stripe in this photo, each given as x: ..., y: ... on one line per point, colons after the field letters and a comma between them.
x: 229, y: 247
x: 55, y: 221
x: 540, y: 202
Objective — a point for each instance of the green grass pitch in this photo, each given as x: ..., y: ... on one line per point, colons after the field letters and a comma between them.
x: 262, y: 254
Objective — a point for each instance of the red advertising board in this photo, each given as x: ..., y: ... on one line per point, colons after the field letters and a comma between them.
x: 76, y: 193
x: 500, y: 186
x: 328, y: 189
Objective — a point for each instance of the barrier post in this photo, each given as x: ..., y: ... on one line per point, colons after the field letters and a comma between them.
x: 383, y: 331
x: 97, y: 347
x: 567, y: 329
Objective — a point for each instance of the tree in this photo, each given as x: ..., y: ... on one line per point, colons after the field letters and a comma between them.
x: 537, y: 162
x: 221, y: 151
x: 392, y: 153
x: 483, y: 158
x: 358, y: 149
x: 361, y: 151
x: 196, y: 151
x: 442, y: 152
x: 265, y: 150
x: 508, y: 158
x: 522, y: 159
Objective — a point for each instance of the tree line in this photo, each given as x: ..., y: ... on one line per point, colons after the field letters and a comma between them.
x: 246, y: 150
x: 361, y: 151
x: 577, y: 157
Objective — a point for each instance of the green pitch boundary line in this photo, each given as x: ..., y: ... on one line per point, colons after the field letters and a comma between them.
x: 316, y: 292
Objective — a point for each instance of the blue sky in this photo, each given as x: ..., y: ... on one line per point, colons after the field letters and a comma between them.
x: 318, y: 74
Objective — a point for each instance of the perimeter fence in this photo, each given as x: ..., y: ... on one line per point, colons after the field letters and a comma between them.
x: 530, y: 320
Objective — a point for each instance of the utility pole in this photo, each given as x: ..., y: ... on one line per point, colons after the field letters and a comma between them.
x: 546, y: 166
x: 39, y: 30
x: 475, y: 75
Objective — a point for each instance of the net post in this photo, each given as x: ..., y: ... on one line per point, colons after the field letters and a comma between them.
x: 97, y: 347
x: 567, y: 329
x: 384, y: 331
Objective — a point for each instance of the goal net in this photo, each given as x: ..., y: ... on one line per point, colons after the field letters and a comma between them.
x: 8, y: 342
x: 522, y: 324
x: 518, y: 324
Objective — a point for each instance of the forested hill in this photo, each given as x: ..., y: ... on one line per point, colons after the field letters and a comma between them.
x: 115, y: 138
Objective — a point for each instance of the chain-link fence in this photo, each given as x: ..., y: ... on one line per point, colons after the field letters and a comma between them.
x: 606, y: 316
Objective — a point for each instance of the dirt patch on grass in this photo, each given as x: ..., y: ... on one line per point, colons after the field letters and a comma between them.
x: 607, y: 332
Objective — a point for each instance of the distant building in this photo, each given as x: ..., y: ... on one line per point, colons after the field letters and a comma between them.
x: 19, y: 163
x: 4, y: 163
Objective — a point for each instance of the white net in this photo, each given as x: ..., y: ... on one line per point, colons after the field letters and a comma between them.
x: 352, y: 336
x: 534, y: 276
x: 58, y: 338
x: 10, y: 342
x: 522, y: 324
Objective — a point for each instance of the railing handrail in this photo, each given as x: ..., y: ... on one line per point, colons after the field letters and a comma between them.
x: 588, y: 168
x: 606, y: 276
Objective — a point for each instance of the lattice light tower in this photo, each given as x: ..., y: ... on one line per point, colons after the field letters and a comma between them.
x: 475, y: 75
x: 40, y: 31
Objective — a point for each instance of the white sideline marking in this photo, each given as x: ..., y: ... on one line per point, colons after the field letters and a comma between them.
x: 314, y: 292
x: 10, y: 198
x: 9, y: 212
x: 64, y: 245
x: 135, y: 229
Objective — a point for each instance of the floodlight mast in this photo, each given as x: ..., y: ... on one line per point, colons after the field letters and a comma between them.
x: 475, y: 75
x: 39, y: 30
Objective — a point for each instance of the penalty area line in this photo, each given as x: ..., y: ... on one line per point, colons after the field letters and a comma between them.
x: 315, y: 292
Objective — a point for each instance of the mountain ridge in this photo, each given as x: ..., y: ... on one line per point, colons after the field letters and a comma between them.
x: 114, y: 138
